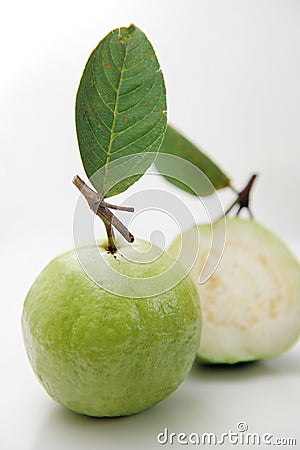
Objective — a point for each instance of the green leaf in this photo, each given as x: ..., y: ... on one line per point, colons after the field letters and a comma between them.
x: 176, y: 144
x: 120, y: 109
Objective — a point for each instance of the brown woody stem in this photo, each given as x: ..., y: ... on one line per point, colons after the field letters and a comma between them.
x: 110, y: 236
x: 118, y: 207
x: 102, y: 210
x: 243, y: 197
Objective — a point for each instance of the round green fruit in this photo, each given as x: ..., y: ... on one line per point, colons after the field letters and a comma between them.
x: 251, y: 304
x: 103, y: 354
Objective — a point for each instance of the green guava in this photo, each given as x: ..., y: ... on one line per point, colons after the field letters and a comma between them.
x: 103, y: 354
x: 251, y: 304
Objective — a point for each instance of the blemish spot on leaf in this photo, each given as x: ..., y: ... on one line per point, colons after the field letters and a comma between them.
x: 105, y: 92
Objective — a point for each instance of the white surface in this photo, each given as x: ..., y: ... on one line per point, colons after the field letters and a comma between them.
x: 232, y: 70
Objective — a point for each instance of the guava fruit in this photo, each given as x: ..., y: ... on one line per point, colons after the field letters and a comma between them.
x: 251, y: 303
x: 102, y: 354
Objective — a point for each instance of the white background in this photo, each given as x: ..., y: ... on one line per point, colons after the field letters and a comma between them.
x: 232, y: 71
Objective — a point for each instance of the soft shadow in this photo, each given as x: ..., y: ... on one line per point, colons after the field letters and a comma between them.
x: 213, y: 398
x: 65, y: 430
x: 287, y: 364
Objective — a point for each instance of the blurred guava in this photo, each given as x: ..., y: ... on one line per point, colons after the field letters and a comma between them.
x: 251, y: 303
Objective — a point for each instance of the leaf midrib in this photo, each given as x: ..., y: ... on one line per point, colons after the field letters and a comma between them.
x: 115, y: 111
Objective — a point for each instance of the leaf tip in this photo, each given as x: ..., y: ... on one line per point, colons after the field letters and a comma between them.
x: 132, y: 28
x: 124, y: 33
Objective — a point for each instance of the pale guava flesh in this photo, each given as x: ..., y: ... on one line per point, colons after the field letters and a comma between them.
x: 251, y: 304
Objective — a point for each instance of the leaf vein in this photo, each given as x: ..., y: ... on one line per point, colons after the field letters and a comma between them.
x: 119, y: 133
x: 96, y: 139
x: 141, y: 99
x: 98, y: 92
x: 141, y: 137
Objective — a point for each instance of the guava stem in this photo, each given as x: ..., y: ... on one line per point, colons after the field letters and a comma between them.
x: 243, y: 197
x: 101, y: 209
x: 110, y: 237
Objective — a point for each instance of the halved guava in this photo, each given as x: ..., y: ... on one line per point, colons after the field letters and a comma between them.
x: 251, y: 303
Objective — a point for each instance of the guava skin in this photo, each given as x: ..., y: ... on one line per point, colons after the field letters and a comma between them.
x: 251, y: 304
x: 100, y: 354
